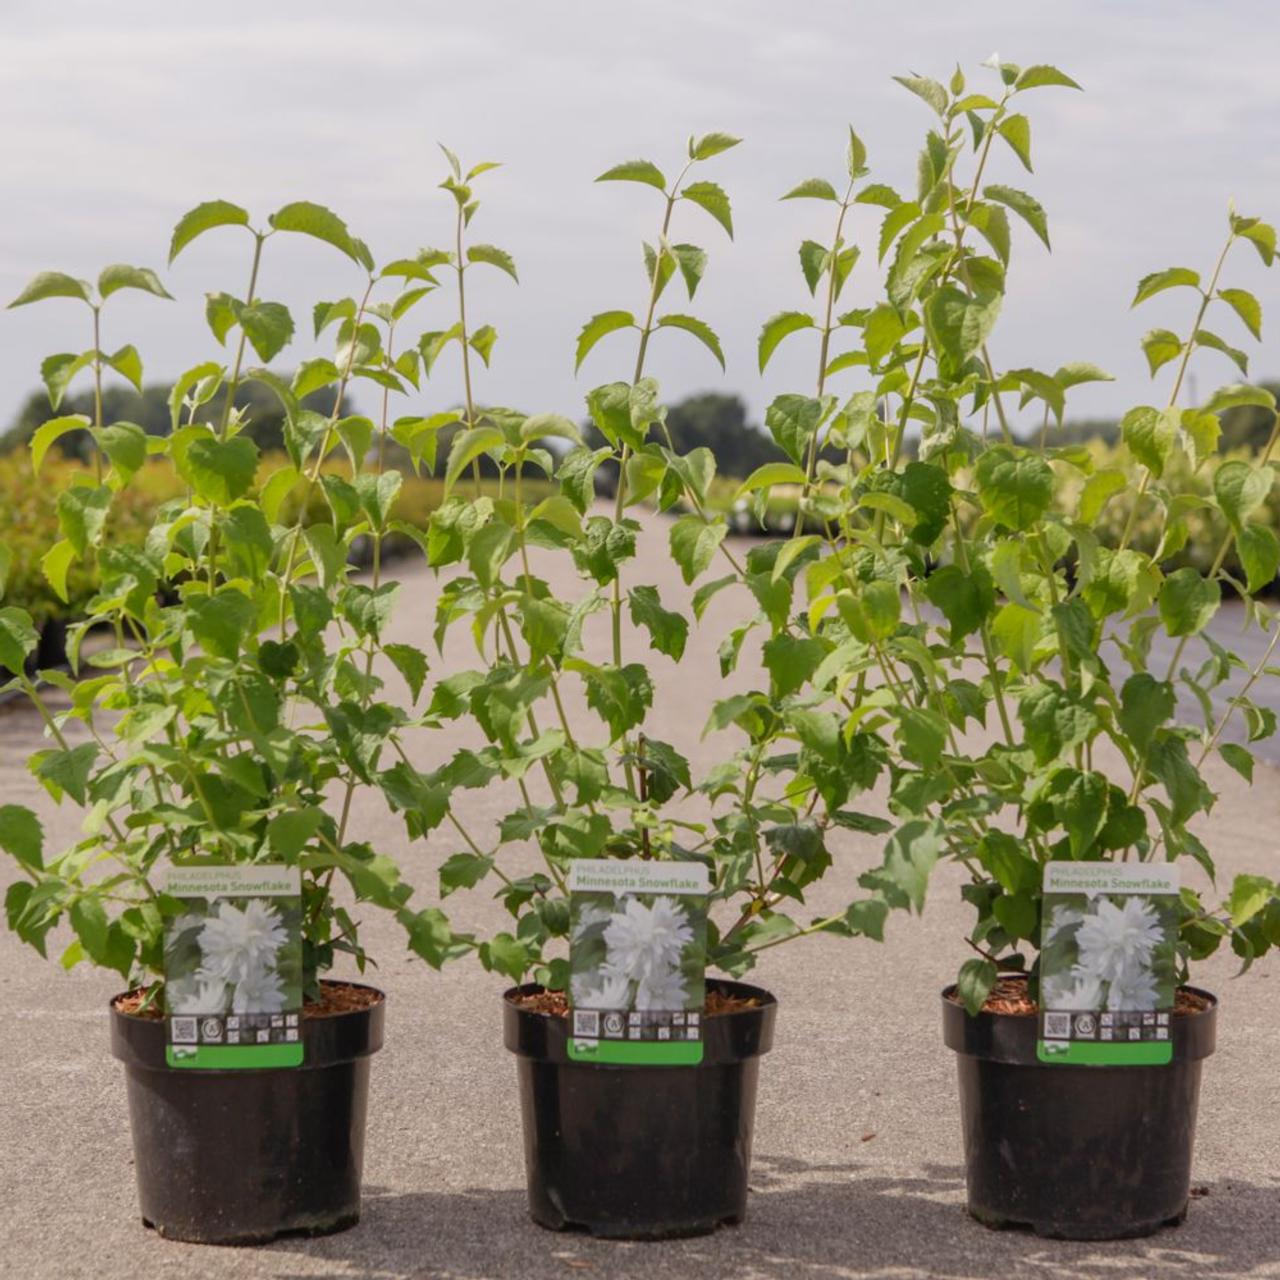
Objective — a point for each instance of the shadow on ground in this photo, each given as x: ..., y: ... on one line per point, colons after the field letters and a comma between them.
x: 807, y: 1221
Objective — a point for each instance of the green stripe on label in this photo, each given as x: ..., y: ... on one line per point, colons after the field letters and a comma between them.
x: 638, y: 1053
x: 226, y: 1057
x: 1093, y: 1053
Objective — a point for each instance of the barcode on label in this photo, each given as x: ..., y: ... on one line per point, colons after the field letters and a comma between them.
x: 586, y: 1022
x: 1057, y: 1026
x: 183, y: 1030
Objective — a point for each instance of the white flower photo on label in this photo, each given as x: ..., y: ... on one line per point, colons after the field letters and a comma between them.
x: 645, y: 942
x: 1117, y: 942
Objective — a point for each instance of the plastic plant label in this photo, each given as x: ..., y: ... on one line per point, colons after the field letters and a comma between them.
x: 637, y: 961
x: 233, y: 966
x: 1107, y: 964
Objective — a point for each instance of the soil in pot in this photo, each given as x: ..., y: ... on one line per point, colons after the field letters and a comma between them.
x: 639, y: 1152
x: 1075, y: 1152
x: 244, y: 1156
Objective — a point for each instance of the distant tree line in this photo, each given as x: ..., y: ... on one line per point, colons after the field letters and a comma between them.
x: 711, y: 419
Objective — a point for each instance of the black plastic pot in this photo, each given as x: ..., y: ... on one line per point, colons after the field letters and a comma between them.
x: 639, y: 1152
x: 1075, y: 1152
x: 244, y: 1156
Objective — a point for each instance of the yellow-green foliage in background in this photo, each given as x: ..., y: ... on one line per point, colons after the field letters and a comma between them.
x: 29, y: 519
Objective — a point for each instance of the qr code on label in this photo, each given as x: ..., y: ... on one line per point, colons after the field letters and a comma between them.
x: 1057, y: 1026
x: 586, y: 1022
x: 183, y: 1030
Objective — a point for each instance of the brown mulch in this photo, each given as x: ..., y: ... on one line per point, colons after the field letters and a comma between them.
x: 555, y: 1004
x: 1009, y: 995
x: 335, y: 998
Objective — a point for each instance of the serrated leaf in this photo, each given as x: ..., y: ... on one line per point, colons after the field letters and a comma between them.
x: 700, y: 330
x: 636, y: 171
x: 128, y: 364
x: 1150, y: 434
x: 1042, y: 75
x: 495, y: 257
x: 668, y: 632
x: 1025, y: 206
x: 1160, y: 346
x: 18, y: 638
x: 927, y: 90
x: 320, y: 223
x: 204, y: 217
x: 1188, y: 602
x: 813, y: 189
x: 1246, y: 306
x: 711, y: 144
x: 1016, y: 131
x: 1206, y: 338
x: 712, y: 198
x: 778, y: 327
x: 813, y: 262
x: 1169, y: 278
x: 53, y: 284
x: 694, y: 542
x: 466, y: 448
x: 596, y: 328
x: 268, y: 326
x: 122, y: 276
x: 52, y: 430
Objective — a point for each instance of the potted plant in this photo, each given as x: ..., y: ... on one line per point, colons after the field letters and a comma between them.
x: 1034, y: 672
x: 226, y: 724
x: 658, y: 1147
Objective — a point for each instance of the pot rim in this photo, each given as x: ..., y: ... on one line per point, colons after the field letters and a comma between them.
x: 333, y: 982
x: 950, y: 989
x: 765, y: 997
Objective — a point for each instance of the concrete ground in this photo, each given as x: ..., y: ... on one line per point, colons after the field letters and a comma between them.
x: 857, y: 1168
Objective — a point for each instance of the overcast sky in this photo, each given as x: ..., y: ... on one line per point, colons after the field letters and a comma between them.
x: 120, y: 117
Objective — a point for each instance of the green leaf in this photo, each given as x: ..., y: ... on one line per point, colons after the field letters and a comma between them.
x: 975, y: 983
x: 1169, y: 278
x: 53, y: 430
x: 778, y: 327
x: 128, y: 364
x: 56, y: 372
x: 1160, y: 346
x: 1016, y: 131
x: 873, y: 612
x: 503, y: 953
x: 770, y: 473
x: 813, y: 189
x: 82, y: 513
x: 636, y: 171
x: 1238, y: 758
x: 1054, y: 721
x: 1041, y: 75
x: 1188, y: 602
x: 692, y: 262
x: 53, y: 284
x: 288, y: 833
x: 855, y: 156
x: 700, y: 330
x: 1098, y: 490
x: 222, y: 623
x: 1204, y: 338
x: 69, y: 770
x: 1150, y: 434
x: 709, y: 196
x: 813, y: 262
x: 125, y: 443
x: 1241, y: 489
x: 910, y: 856
x: 463, y: 871
x: 197, y: 381
x: 1238, y: 394
x: 268, y: 326
x: 1017, y: 915
x: 711, y: 144
x: 668, y: 632
x: 929, y: 91
x: 122, y: 276
x: 791, y: 660
x: 966, y: 599
x: 22, y: 835
x: 694, y: 542
x: 6, y: 564
x: 18, y: 638
x: 958, y: 325
x: 1262, y: 237
x: 596, y: 328
x: 1015, y: 486
x: 323, y: 224
x: 204, y: 217
x: 467, y: 447
x: 793, y: 421
x: 1145, y: 705
x: 482, y: 342
x: 1246, y: 306
x: 1027, y: 208
x: 220, y: 471
x: 1259, y: 552
x: 494, y: 256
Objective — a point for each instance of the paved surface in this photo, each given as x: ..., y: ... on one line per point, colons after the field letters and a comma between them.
x: 857, y: 1169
